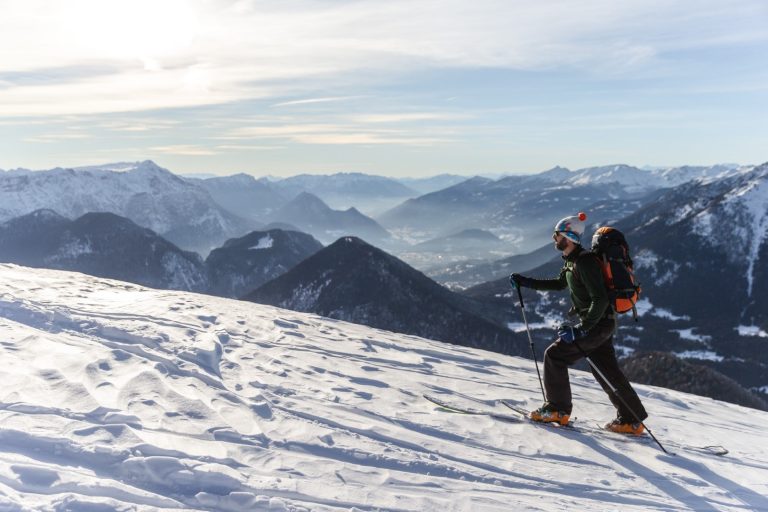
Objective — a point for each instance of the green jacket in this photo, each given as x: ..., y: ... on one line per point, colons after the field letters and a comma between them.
x: 582, y: 275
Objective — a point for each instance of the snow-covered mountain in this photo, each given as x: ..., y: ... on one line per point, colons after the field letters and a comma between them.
x: 101, y: 244
x: 701, y: 257
x: 521, y: 209
x: 674, y: 176
x: 243, y: 264
x: 432, y: 183
x: 118, y: 397
x: 106, y: 245
x: 244, y: 195
x: 311, y: 215
x: 633, y: 179
x: 354, y: 281
x: 369, y: 193
x: 147, y: 194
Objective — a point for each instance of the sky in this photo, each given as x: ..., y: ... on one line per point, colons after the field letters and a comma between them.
x: 398, y: 88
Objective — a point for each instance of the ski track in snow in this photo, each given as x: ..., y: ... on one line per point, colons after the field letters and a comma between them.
x: 119, y: 397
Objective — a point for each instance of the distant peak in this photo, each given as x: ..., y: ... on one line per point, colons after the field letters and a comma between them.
x: 45, y: 213
x: 149, y: 166
x: 309, y: 199
x: 352, y: 242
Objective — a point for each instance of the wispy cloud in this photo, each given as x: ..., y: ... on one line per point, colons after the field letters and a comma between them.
x: 311, y: 101
x: 408, y: 117
x: 247, y: 147
x: 213, y: 52
x: 57, y: 137
x: 453, y: 83
x: 339, y: 134
x: 184, y: 150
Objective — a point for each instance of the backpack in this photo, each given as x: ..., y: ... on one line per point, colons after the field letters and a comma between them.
x: 612, y: 250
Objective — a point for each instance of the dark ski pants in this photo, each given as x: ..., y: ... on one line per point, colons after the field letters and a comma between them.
x: 598, y: 345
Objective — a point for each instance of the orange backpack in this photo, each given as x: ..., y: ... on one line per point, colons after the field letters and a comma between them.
x: 612, y: 250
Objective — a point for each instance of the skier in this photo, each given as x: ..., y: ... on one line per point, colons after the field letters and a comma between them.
x: 593, y: 336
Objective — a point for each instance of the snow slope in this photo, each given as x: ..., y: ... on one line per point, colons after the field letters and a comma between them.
x: 118, y: 397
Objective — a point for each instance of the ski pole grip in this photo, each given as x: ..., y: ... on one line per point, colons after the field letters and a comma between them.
x: 520, y: 295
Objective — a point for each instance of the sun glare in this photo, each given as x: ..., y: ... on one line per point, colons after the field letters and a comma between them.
x: 141, y: 29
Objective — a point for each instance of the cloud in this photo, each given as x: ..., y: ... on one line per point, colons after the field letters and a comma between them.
x: 143, y: 55
x: 247, y: 147
x: 408, y: 117
x: 312, y: 101
x: 56, y: 137
x: 184, y: 150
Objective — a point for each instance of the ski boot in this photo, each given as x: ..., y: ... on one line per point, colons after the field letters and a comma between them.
x: 548, y: 414
x: 625, y: 427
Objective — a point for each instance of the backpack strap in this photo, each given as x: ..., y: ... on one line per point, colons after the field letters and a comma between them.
x: 581, y: 256
x: 604, y: 266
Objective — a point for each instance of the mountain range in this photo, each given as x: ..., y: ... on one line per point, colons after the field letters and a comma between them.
x: 372, y: 194
x: 250, y: 197
x: 699, y: 249
x: 354, y: 281
x: 310, y: 214
x: 147, y: 194
x: 243, y: 195
x: 107, y: 245
x: 521, y: 209
x: 243, y: 264
x: 701, y: 257
x: 100, y: 244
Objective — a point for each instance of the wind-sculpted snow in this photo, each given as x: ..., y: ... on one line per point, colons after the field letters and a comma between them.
x: 118, y: 397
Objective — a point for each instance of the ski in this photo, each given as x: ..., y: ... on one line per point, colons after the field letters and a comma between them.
x: 600, y: 430
x: 460, y: 409
x: 522, y: 412
x: 708, y: 450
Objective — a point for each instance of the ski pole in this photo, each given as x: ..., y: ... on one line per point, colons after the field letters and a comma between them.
x: 616, y: 392
x: 530, y: 340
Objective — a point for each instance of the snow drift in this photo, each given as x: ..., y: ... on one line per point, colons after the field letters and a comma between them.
x: 118, y: 397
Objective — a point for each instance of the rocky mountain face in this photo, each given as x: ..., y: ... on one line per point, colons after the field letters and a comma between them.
x: 149, y: 195
x: 701, y: 256
x: 353, y: 281
x: 311, y: 215
x: 243, y: 264
x: 100, y: 244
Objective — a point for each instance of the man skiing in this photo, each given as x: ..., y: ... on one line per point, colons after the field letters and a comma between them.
x: 593, y: 336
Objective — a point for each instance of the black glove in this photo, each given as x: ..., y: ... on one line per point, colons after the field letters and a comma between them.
x: 569, y: 333
x: 519, y: 281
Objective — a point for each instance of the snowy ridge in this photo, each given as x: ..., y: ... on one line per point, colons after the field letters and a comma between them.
x: 750, y: 202
x: 119, y: 397
x: 634, y: 179
x: 149, y: 195
x: 744, y: 207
